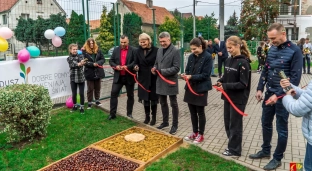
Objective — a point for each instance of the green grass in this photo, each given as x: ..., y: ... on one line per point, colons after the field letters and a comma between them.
x: 67, y: 133
x: 194, y: 158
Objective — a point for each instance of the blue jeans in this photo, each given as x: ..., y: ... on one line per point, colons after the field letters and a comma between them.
x: 282, y: 115
x: 308, y: 158
x: 212, y: 70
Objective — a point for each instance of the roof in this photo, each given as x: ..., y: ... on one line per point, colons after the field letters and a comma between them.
x: 7, y: 5
x: 94, y: 24
x: 187, y: 15
x: 147, y: 14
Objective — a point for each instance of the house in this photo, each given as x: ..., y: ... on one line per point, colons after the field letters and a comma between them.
x: 11, y: 10
x: 302, y: 18
x: 145, y: 12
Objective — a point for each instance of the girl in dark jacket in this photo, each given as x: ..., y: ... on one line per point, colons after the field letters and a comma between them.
x: 236, y: 83
x: 77, y: 79
x: 198, y: 70
x: 93, y: 73
x: 144, y: 62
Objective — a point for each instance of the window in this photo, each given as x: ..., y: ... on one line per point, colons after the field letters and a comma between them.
x: 289, y: 8
x: 39, y: 1
x: 292, y: 35
x: 4, y: 19
x: 25, y: 16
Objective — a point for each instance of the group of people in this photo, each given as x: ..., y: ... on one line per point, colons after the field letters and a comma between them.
x: 306, y: 48
x: 156, y: 69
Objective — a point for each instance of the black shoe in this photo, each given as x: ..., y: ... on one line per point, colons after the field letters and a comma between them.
x: 304, y: 72
x: 272, y: 165
x: 98, y: 103
x: 228, y: 153
x: 309, y: 73
x: 74, y: 109
x: 81, y: 111
x: 153, y: 121
x: 89, y: 106
x: 213, y: 75
x: 130, y: 116
x: 163, y: 125
x: 173, y: 130
x: 147, y: 119
x: 110, y: 117
x: 259, y: 155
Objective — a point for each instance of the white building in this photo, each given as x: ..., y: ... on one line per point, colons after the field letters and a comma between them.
x: 297, y: 12
x: 11, y: 10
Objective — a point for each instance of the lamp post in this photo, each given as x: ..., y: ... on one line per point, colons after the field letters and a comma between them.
x: 154, y: 27
x: 88, y: 18
x: 84, y: 21
x: 118, y: 31
x: 194, y: 19
x: 114, y: 24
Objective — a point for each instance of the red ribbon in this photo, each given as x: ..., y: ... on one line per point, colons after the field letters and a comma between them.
x: 230, y: 101
x: 135, y: 79
x: 190, y: 88
x: 163, y: 78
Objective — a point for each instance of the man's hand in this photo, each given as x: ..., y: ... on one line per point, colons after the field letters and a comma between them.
x: 118, y: 67
x: 219, y: 84
x: 123, y: 67
x: 272, y: 100
x: 284, y: 83
x: 291, y: 92
x: 95, y: 64
x: 259, y: 95
x: 153, y: 70
x: 136, y: 68
x: 220, y: 53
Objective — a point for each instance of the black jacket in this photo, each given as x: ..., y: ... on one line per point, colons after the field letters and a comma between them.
x: 200, y: 81
x: 145, y: 76
x: 115, y: 60
x: 91, y: 72
x: 222, y: 49
x: 210, y: 49
x: 236, y: 79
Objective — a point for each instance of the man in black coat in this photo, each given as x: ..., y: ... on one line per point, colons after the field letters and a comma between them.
x: 122, y: 58
x: 211, y: 51
x: 220, y: 50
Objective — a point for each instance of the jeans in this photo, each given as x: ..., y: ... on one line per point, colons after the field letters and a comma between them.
x: 212, y: 70
x: 165, y: 109
x: 116, y: 87
x: 220, y: 62
x: 233, y: 123
x: 282, y: 115
x: 308, y: 158
x: 306, y: 57
x: 74, y: 87
x: 94, y: 86
x: 198, y: 118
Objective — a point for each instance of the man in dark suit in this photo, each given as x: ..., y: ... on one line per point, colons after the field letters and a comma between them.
x: 122, y: 58
x: 211, y: 51
x: 220, y: 50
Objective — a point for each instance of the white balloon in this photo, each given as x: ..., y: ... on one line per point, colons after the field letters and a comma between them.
x: 49, y: 34
x: 6, y: 33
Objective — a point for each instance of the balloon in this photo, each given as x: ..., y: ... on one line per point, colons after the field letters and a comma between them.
x: 6, y: 33
x: 56, y: 41
x: 23, y: 56
x: 49, y: 34
x: 79, y: 52
x: 4, y: 45
x: 59, y: 31
x: 69, y: 102
x: 78, y: 99
x: 34, y: 51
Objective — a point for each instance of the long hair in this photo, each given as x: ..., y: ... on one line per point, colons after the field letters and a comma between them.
x: 197, y: 41
x: 235, y: 40
x: 87, y: 47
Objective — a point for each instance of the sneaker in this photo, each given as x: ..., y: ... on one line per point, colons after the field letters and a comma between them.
x: 259, y: 155
x: 81, y: 111
x: 227, y: 149
x: 98, y: 103
x: 192, y: 136
x: 198, y: 139
x: 173, y: 130
x: 228, y: 153
x: 162, y: 126
x: 74, y: 109
x: 272, y: 165
x: 89, y: 106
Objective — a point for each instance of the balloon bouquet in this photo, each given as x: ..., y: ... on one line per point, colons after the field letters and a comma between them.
x: 55, y: 35
x: 5, y: 33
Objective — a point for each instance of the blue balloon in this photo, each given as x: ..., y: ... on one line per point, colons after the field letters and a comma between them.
x: 34, y: 51
x: 59, y: 31
x: 79, y: 52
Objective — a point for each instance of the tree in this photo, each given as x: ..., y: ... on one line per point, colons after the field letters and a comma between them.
x: 231, y: 28
x: 132, y: 27
x: 75, y: 33
x: 177, y: 14
x: 40, y: 26
x: 171, y: 26
x: 233, y: 20
x: 105, y: 38
x: 24, y: 30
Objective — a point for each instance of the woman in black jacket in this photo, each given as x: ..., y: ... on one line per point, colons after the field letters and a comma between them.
x: 93, y: 73
x: 198, y: 70
x: 144, y: 62
x: 236, y: 83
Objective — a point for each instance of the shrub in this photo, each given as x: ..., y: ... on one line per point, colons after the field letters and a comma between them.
x: 25, y: 111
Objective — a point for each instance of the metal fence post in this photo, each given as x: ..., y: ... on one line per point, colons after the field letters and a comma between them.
x: 84, y: 21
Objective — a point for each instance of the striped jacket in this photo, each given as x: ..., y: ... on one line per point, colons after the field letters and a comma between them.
x: 76, y: 72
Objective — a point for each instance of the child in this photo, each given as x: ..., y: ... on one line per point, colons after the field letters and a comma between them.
x: 77, y: 78
x: 298, y: 102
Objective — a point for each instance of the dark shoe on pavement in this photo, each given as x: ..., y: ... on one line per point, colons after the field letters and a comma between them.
x: 173, y: 130
x: 98, y: 103
x: 153, y: 121
x: 229, y: 154
x: 110, y: 117
x: 272, y: 165
x: 147, y: 119
x: 130, y: 116
x: 213, y: 75
x: 163, y: 125
x: 259, y: 155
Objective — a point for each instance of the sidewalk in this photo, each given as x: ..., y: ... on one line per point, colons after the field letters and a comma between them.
x: 215, y: 137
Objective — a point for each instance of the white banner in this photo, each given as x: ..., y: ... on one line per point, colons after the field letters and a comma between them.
x: 52, y: 73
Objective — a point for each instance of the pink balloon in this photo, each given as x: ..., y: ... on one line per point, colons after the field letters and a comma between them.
x: 69, y: 102
x: 56, y: 41
x: 23, y: 55
x: 6, y: 33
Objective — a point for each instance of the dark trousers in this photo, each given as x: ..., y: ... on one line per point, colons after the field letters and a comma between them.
x: 268, y: 113
x: 165, y: 109
x: 308, y: 158
x: 116, y: 87
x: 198, y: 118
x: 220, y: 62
x: 94, y: 86
x: 233, y: 123
x: 306, y: 58
x: 74, y: 87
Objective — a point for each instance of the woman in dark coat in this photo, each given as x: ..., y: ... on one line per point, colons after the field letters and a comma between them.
x: 92, y: 72
x: 198, y: 70
x: 144, y: 62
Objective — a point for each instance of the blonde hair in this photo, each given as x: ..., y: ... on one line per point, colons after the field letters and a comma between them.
x: 235, y: 40
x: 87, y: 47
x: 71, y: 46
x: 145, y: 36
